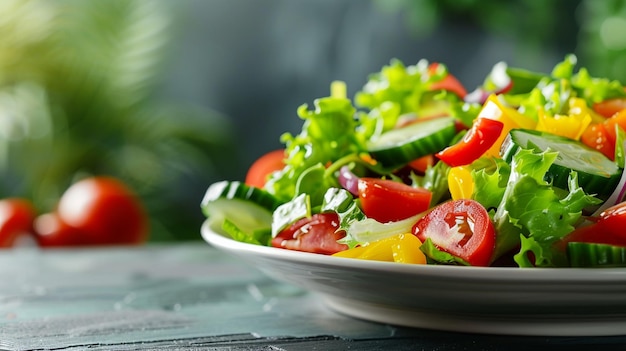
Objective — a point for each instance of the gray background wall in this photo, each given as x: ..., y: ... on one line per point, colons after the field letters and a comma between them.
x: 256, y: 61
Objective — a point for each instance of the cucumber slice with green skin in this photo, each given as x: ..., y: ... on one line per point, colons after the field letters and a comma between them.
x: 248, y: 208
x: 596, y: 255
x: 397, y: 147
x: 596, y: 173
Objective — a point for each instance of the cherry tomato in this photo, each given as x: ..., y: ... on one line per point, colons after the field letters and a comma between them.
x: 449, y: 83
x: 51, y: 231
x: 265, y: 165
x: 96, y: 211
x: 389, y: 201
x: 317, y: 234
x: 483, y: 134
x: 608, y: 228
x: 16, y: 219
x: 461, y: 228
x: 608, y: 108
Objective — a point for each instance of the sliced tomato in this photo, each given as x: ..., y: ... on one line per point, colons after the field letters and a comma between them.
x: 609, y: 107
x: 597, y: 137
x: 617, y: 120
x: 483, y: 134
x: 317, y: 234
x: 265, y: 165
x: 608, y: 228
x: 449, y: 83
x: 461, y: 228
x: 389, y: 201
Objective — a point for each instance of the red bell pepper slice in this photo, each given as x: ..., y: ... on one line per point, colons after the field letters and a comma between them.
x: 449, y: 83
x: 483, y: 134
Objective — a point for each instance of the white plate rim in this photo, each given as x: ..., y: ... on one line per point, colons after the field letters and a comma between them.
x: 502, y: 274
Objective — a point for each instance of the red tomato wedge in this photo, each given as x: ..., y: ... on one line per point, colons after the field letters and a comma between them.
x: 483, y: 134
x: 608, y: 108
x: 389, y: 201
x: 264, y: 166
x: 597, y: 137
x: 461, y: 228
x: 317, y: 234
x: 449, y: 83
x: 607, y: 229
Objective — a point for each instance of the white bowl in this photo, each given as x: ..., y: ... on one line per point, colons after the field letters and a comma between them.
x: 513, y: 301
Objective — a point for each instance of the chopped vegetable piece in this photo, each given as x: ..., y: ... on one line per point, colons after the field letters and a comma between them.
x: 397, y: 147
x: 389, y: 201
x: 461, y: 228
x: 400, y: 248
x: 596, y: 173
x: 596, y: 255
x: 316, y: 234
x: 475, y: 143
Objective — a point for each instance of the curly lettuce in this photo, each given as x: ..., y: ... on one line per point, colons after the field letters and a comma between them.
x: 531, y: 211
x: 329, y: 132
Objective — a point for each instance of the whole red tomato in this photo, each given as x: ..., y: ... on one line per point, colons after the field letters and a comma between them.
x: 16, y: 219
x: 95, y: 211
x: 53, y: 232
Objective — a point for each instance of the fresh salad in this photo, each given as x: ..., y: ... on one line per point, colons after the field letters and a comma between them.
x: 525, y: 170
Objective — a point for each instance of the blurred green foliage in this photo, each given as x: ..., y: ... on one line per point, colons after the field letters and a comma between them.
x: 603, y: 37
x: 591, y: 29
x: 76, y: 81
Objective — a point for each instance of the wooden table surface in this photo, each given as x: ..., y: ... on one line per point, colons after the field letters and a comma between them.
x: 193, y: 297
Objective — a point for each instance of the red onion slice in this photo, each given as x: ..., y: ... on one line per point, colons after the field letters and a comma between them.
x: 617, y: 196
x: 349, y: 180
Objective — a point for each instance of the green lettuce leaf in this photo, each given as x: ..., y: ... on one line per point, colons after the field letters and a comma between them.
x: 535, y: 209
x: 329, y: 132
x: 435, y: 255
x: 490, y: 176
x: 398, y: 89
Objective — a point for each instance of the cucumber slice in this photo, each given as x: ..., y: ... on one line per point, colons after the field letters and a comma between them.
x: 248, y: 208
x: 596, y: 255
x: 399, y: 146
x: 596, y: 173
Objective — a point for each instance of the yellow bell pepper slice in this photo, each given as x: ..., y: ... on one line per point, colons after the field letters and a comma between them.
x: 460, y: 182
x: 400, y: 248
x: 406, y: 249
x: 578, y: 107
x: 510, y: 117
x: 571, y: 126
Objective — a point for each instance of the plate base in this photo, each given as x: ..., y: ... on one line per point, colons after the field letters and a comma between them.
x: 543, y: 325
